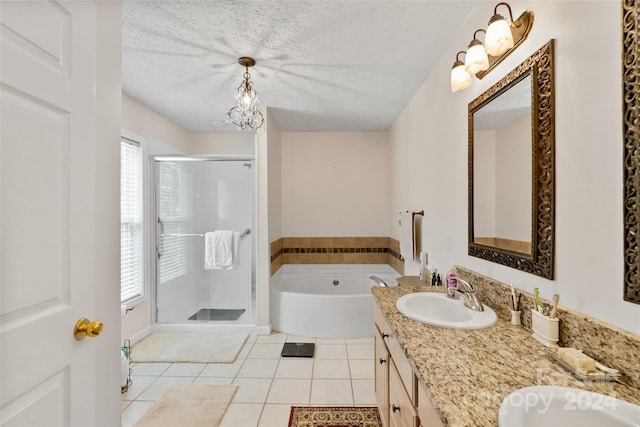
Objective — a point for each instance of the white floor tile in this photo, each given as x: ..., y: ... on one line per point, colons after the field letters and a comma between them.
x: 331, y: 369
x: 265, y: 351
x: 361, y: 369
x: 330, y: 341
x: 134, y: 412
x: 242, y: 414
x: 331, y: 392
x: 275, y: 337
x: 124, y: 404
x: 222, y: 369
x: 184, y: 370
x: 152, y: 369
x: 160, y: 385
x: 294, y: 368
x: 360, y: 351
x: 258, y: 368
x: 298, y: 338
x: 293, y: 391
x: 244, y: 352
x: 366, y: 340
x: 330, y: 351
x: 251, y: 390
x: 138, y: 385
x: 213, y: 380
x: 275, y: 415
x: 363, y: 392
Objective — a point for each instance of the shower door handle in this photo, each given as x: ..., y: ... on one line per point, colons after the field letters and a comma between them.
x: 161, y: 240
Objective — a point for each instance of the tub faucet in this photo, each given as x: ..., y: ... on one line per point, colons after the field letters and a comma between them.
x: 469, y: 296
x: 378, y: 281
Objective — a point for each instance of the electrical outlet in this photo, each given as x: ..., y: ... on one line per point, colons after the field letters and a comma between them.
x: 449, y: 242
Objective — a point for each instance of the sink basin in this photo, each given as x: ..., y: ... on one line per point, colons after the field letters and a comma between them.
x: 564, y: 406
x: 439, y: 310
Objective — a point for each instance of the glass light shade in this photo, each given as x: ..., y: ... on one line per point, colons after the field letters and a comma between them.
x: 476, y: 58
x: 499, y: 38
x: 460, y: 79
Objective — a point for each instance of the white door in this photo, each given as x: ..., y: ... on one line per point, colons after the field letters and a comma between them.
x: 54, y: 262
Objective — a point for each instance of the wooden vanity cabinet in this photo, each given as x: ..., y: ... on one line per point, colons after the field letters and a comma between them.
x: 395, y: 382
x: 401, y: 401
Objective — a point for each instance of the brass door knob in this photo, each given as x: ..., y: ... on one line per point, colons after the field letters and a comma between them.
x: 86, y: 328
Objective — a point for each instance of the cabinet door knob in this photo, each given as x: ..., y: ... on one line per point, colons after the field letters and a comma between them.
x: 383, y: 360
x: 395, y: 408
x: 385, y: 335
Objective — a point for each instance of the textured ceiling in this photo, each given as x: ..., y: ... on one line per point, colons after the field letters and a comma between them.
x: 321, y: 65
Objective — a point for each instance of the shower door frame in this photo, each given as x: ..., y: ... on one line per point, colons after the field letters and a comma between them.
x: 155, y: 231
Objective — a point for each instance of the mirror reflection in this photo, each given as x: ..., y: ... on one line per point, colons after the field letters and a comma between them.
x: 502, y: 170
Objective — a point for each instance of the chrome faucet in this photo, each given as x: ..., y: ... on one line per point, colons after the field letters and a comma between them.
x: 469, y: 296
x: 378, y: 281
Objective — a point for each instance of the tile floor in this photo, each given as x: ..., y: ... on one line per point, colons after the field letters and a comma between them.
x: 339, y: 374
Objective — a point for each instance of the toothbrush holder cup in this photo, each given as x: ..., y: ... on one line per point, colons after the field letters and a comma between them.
x: 545, y: 329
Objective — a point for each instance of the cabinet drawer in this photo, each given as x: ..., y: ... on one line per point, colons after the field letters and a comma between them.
x: 381, y: 382
x: 426, y: 412
x: 401, y: 410
x: 397, y: 354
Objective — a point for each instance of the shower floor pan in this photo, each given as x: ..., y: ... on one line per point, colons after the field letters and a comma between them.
x: 218, y: 314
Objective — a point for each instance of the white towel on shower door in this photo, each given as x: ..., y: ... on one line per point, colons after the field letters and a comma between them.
x: 220, y: 249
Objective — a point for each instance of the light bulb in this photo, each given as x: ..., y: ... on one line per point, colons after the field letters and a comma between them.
x: 498, y: 38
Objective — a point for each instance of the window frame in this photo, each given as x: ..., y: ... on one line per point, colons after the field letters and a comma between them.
x: 143, y: 293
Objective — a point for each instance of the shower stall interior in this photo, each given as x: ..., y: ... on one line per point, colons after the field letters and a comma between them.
x: 193, y: 196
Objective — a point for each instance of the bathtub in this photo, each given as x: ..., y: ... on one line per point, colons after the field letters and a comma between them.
x: 326, y: 300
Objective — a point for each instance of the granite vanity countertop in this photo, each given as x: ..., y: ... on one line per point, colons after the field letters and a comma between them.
x: 468, y: 373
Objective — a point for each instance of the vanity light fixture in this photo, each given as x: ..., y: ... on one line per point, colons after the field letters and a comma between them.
x: 460, y: 78
x: 476, y: 58
x: 245, y: 114
x: 501, y: 38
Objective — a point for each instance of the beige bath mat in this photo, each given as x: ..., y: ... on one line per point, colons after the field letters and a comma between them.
x: 189, y: 405
x: 189, y: 347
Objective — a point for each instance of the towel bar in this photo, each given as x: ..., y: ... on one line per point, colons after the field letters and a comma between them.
x: 243, y: 234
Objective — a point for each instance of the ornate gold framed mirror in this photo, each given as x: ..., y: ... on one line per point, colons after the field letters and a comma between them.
x: 512, y: 168
x: 631, y: 136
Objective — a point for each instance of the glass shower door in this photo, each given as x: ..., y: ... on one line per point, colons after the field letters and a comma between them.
x: 194, y: 198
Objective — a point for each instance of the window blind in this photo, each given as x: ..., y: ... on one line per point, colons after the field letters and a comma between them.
x: 131, y: 221
x: 175, y: 212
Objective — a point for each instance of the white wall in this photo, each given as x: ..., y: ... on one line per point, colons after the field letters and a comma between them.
x: 335, y: 184
x: 429, y: 157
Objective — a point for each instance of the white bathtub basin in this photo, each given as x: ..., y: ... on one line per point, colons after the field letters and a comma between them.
x: 566, y: 407
x: 439, y: 310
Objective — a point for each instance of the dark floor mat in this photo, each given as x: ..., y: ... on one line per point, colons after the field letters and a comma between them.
x: 297, y: 349
x: 218, y: 314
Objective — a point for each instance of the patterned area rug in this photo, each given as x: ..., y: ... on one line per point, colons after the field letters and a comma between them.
x: 345, y: 416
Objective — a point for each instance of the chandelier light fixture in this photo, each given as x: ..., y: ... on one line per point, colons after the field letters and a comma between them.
x: 245, y: 114
x: 500, y: 39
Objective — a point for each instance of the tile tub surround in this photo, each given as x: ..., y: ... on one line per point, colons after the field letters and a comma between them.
x: 607, y: 344
x: 467, y: 373
x: 336, y: 250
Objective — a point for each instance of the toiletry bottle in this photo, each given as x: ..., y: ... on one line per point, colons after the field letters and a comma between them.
x: 434, y: 278
x: 438, y: 281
